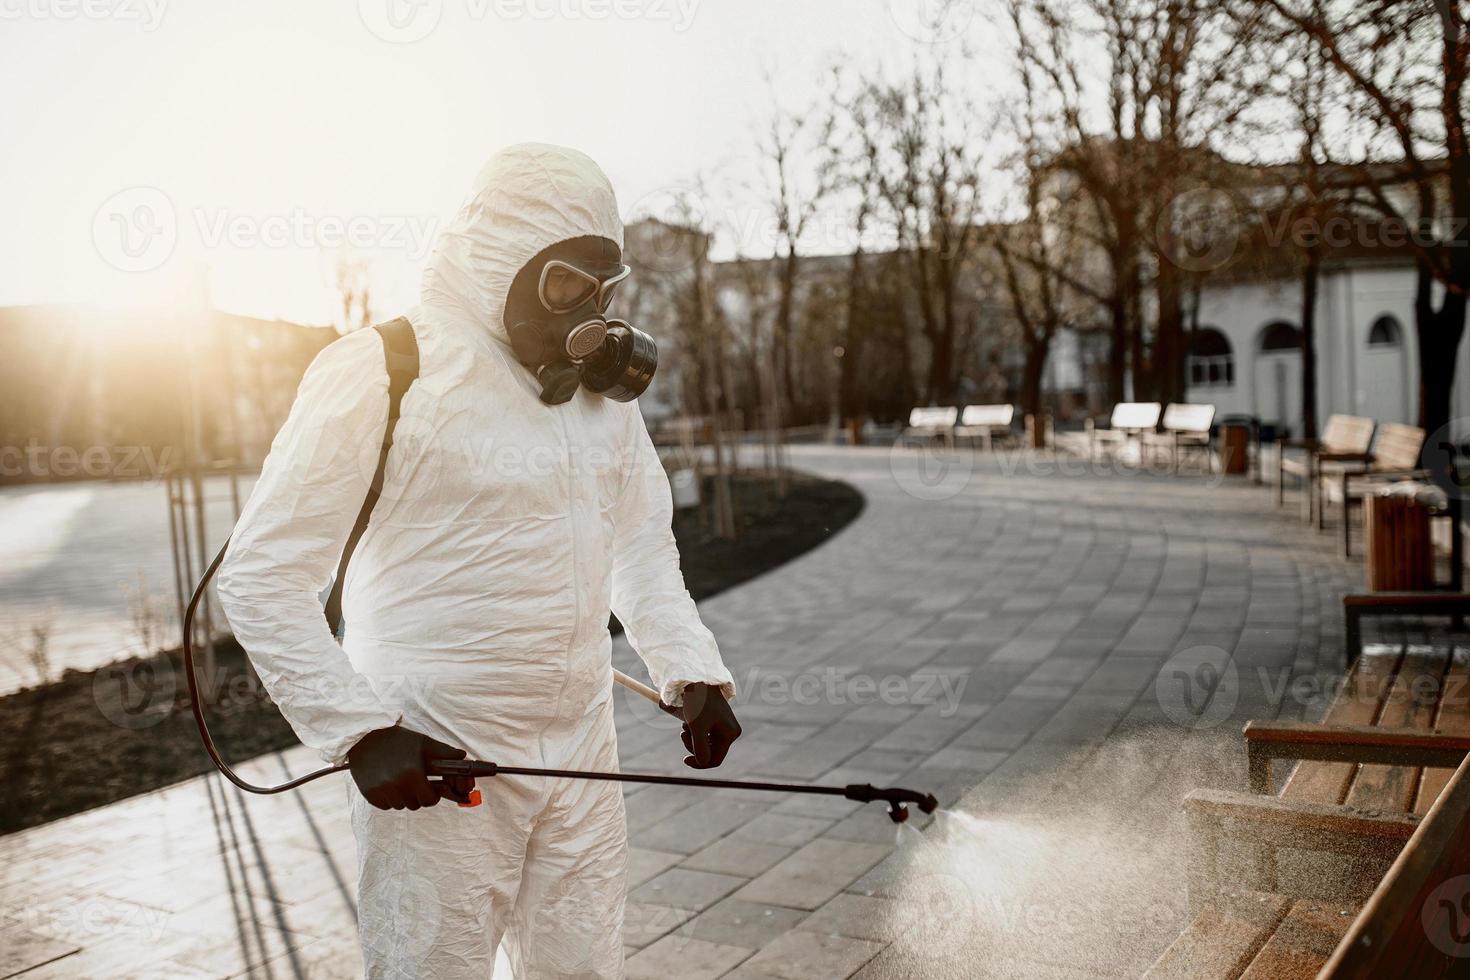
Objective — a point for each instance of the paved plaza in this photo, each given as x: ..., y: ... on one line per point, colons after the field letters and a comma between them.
x: 991, y: 628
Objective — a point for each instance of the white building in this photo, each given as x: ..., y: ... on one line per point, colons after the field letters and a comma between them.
x: 1246, y: 358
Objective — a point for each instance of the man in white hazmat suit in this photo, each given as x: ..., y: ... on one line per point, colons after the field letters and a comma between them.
x: 477, y: 600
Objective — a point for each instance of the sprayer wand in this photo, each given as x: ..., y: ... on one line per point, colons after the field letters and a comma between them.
x: 897, y: 799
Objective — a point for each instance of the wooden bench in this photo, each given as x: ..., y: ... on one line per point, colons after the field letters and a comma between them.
x: 1395, y: 456
x: 1355, y: 608
x: 986, y: 423
x: 1345, y: 441
x: 1383, y: 786
x: 1186, y: 427
x: 1127, y: 421
x: 930, y: 422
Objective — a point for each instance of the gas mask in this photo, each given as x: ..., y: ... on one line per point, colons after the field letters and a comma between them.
x: 556, y: 316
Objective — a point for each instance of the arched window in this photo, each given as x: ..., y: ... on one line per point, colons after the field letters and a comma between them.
x: 1385, y: 332
x: 1280, y: 336
x: 1211, y: 362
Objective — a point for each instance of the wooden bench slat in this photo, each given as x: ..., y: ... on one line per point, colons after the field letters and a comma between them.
x: 1411, y: 703
x: 1392, y: 934
x: 1302, y: 943
x: 1357, y: 703
x: 1454, y: 719
x: 1222, y: 940
x: 1397, y: 446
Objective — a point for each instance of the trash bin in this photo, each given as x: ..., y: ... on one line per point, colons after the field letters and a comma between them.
x: 1398, y: 556
x: 1235, y: 440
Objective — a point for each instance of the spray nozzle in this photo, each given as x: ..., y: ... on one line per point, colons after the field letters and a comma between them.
x: 896, y: 798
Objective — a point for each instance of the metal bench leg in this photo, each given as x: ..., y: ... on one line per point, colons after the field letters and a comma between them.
x: 1280, y: 475
x: 1352, y: 635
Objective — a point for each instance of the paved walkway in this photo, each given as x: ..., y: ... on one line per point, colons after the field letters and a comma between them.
x: 993, y: 631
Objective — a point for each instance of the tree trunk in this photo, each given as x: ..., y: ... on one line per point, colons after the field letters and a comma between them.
x: 784, y: 314
x: 1168, y: 354
x: 1439, y: 333
x: 1117, y: 349
x: 1309, y: 344
x: 1036, y: 351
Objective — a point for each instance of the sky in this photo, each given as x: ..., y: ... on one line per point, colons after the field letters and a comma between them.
x: 188, y: 152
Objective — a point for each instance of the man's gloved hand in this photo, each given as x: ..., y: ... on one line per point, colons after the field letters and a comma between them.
x: 709, y: 726
x: 390, y: 767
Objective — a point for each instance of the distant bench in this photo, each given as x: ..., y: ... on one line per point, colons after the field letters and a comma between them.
x: 1345, y: 440
x: 1128, y: 419
x: 932, y: 421
x: 986, y: 423
x: 1186, y: 429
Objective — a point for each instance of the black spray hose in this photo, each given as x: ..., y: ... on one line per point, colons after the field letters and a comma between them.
x: 196, y: 703
x: 861, y: 792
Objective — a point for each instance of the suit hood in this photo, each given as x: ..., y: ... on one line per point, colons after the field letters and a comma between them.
x: 526, y: 198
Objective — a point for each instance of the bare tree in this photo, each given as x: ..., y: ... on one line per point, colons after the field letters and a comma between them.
x: 924, y: 145
x: 1170, y: 88
x: 1404, y: 65
x: 795, y: 186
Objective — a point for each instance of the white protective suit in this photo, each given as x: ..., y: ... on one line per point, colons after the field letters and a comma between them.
x: 477, y: 602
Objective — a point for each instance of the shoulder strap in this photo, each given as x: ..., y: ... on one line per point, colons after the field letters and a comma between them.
x: 401, y: 357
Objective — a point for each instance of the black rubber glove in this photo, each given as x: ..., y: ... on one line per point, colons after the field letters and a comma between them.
x: 709, y: 726
x: 390, y: 767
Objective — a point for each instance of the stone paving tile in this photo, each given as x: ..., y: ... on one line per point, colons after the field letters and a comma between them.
x: 685, y: 958
x: 686, y: 889
x: 645, y: 923
x: 644, y: 864
x: 735, y: 922
x: 736, y: 856
x: 813, y: 874
x: 858, y: 916
x: 802, y: 955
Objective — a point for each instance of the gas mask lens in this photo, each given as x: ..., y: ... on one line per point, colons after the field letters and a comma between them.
x: 564, y: 287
